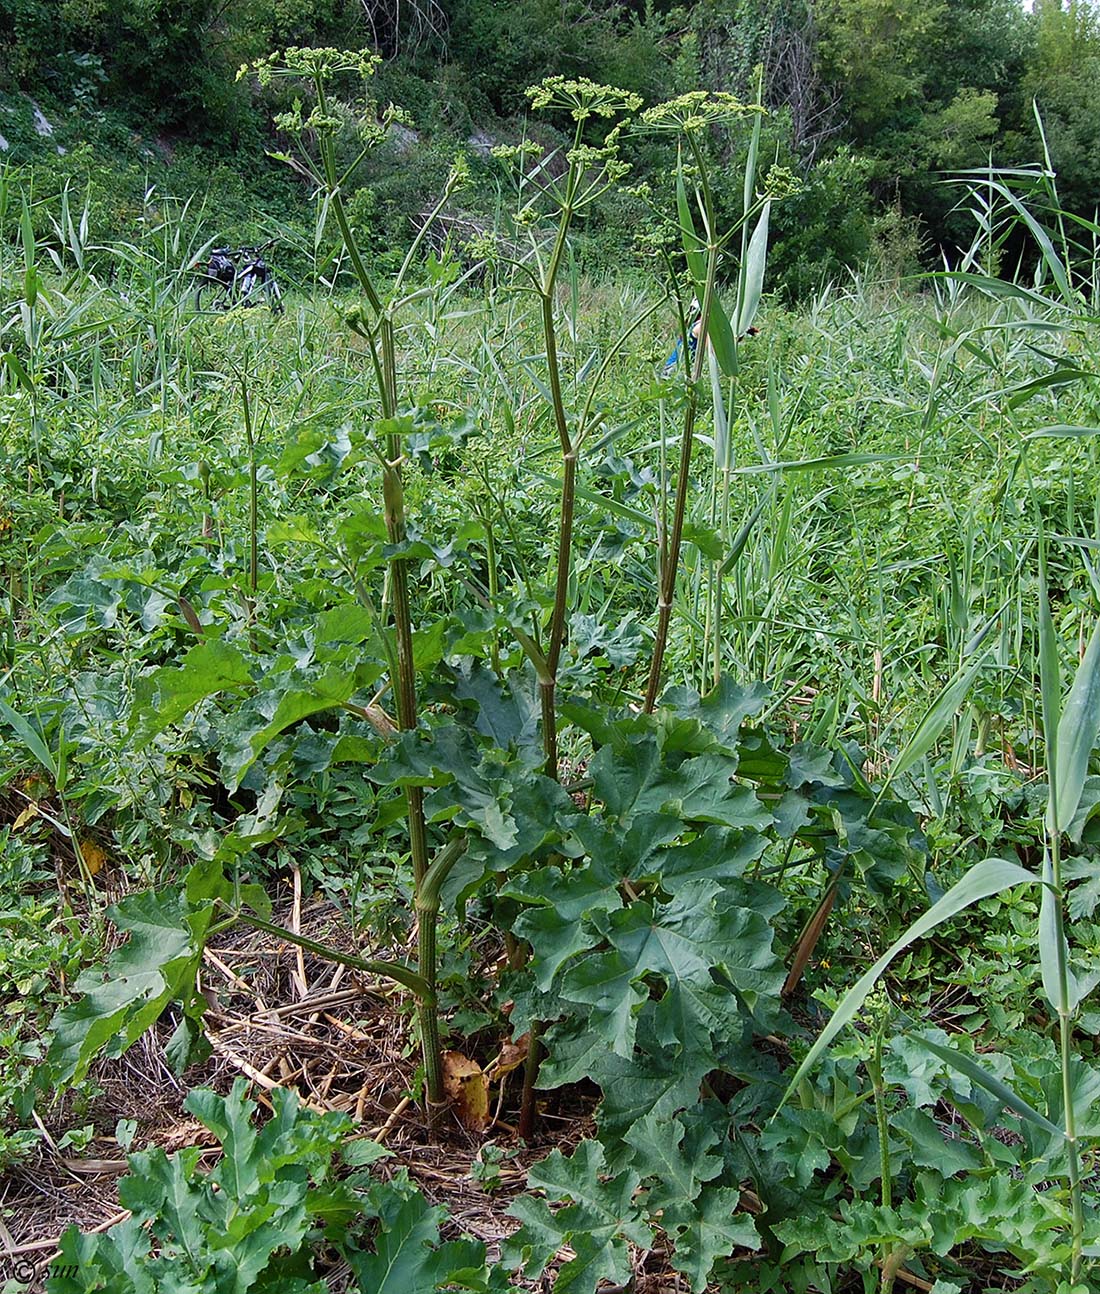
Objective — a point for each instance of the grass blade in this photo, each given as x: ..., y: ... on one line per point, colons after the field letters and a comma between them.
x: 1050, y: 685
x: 30, y: 738
x: 938, y: 715
x: 1077, y: 731
x: 1053, y: 952
x: 756, y: 259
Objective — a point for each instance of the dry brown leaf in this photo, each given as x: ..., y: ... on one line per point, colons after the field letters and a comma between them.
x: 512, y: 1055
x: 468, y: 1090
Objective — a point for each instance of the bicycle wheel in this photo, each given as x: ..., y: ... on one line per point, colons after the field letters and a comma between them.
x: 211, y: 295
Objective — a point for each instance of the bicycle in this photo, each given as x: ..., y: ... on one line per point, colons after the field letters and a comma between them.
x: 237, y: 276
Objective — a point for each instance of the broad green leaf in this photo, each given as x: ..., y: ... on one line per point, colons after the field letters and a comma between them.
x: 408, y: 1257
x: 680, y: 1164
x: 30, y: 737
x: 304, y: 696
x: 988, y: 877
x: 507, y: 710
x: 1077, y: 731
x: 753, y: 271
x: 84, y: 602
x: 161, y: 1189
x: 116, y: 1261
x: 720, y: 854
x: 655, y: 1079
x: 702, y: 790
x: 990, y: 1082
x: 240, y: 1227
x: 555, y: 924
x: 723, y: 709
x: 634, y: 780
x: 714, y: 1227
x: 209, y: 667
x: 702, y: 946
x: 704, y: 1222
x: 154, y: 967
x: 930, y: 1148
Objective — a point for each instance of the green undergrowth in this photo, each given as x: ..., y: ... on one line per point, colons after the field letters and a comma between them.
x: 874, y: 732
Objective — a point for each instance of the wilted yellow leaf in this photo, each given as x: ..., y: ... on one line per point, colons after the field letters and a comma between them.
x: 93, y: 856
x: 31, y: 811
x: 468, y: 1089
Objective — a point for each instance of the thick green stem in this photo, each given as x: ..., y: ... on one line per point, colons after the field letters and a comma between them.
x: 253, y: 494
x: 409, y: 979
x: 886, y: 1187
x: 566, y: 510
x: 429, y: 887
x: 428, y: 921
x: 549, y: 728
x: 874, y: 1065
x: 527, y: 1109
x: 548, y: 680
x: 564, y: 564
x: 670, y: 556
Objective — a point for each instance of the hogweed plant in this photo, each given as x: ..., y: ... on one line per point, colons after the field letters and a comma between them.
x: 548, y: 209
x: 317, y: 132
x: 691, y: 118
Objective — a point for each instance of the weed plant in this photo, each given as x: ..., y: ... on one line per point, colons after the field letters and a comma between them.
x: 695, y: 736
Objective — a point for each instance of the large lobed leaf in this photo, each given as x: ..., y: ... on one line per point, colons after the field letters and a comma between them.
x: 595, y: 1223
x: 154, y: 967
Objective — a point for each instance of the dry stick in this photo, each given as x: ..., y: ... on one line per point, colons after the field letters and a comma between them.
x: 337, y: 976
x: 258, y: 1076
x: 808, y: 940
x: 299, y: 976
x: 234, y: 978
x: 387, y: 1127
x: 37, y: 1246
x: 317, y: 1004
x: 6, y: 1236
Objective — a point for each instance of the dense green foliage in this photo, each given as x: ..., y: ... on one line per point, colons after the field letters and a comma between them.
x: 876, y: 723
x: 874, y: 103
x: 716, y: 733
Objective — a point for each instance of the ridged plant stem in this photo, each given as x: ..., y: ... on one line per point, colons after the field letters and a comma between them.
x: 669, y: 552
x: 383, y: 353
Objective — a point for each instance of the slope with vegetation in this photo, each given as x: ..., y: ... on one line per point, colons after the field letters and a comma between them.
x: 872, y: 105
x: 660, y: 796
